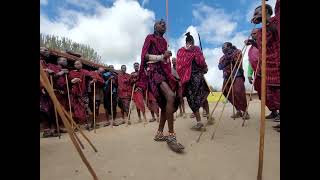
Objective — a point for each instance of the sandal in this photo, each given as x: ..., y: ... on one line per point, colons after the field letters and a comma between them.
x: 173, y: 144
x: 152, y: 120
x: 198, y: 126
x: 237, y: 115
x: 160, y: 137
x: 47, y: 134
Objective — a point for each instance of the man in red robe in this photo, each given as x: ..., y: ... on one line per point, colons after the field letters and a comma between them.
x: 99, y: 83
x: 191, y: 67
x: 230, y: 60
x: 138, y: 94
x: 273, y: 55
x: 124, y: 92
x: 59, y: 74
x: 254, y: 56
x: 155, y: 73
x: 78, y: 91
x: 46, y: 105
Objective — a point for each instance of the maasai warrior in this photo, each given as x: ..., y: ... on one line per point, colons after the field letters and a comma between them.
x: 175, y: 74
x: 124, y: 91
x: 191, y: 67
x: 155, y: 73
x: 59, y: 82
x: 78, y: 92
x: 231, y: 57
x: 99, y: 83
x: 109, y: 76
x: 138, y: 94
x: 253, y: 64
x: 273, y: 55
x: 46, y: 105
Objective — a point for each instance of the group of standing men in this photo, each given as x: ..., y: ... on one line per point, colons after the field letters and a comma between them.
x: 163, y: 86
x: 75, y: 86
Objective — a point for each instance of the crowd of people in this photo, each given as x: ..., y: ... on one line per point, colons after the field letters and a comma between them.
x: 162, y: 82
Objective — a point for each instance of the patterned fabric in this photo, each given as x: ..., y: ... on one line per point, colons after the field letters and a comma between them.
x: 196, y: 89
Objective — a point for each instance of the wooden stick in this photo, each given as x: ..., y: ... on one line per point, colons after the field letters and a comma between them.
x: 80, y: 130
x: 55, y: 111
x: 94, y: 107
x: 263, y: 90
x: 44, y: 80
x: 111, y: 105
x: 134, y: 85
x: 78, y: 139
x: 234, y: 118
x: 232, y: 82
x: 167, y: 24
x: 68, y: 92
x: 223, y: 89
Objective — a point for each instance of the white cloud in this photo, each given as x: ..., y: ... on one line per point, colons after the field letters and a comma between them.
x: 43, y: 2
x: 117, y: 33
x: 215, y: 24
x: 85, y: 4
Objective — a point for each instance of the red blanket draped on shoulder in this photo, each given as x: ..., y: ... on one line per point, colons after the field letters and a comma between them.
x: 124, y: 86
x: 152, y: 75
x: 184, y: 62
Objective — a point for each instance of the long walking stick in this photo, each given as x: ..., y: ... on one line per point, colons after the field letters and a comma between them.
x: 232, y: 82
x: 80, y: 130
x: 111, y: 104
x: 94, y: 107
x: 68, y: 92
x: 134, y: 85
x: 44, y: 80
x: 263, y: 90
x: 55, y: 111
x: 234, y: 115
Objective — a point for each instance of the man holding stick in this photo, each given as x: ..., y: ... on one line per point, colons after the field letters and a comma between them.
x: 232, y: 57
x: 124, y: 92
x: 273, y: 55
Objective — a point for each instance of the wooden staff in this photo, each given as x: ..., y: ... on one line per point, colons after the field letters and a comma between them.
x: 134, y: 85
x: 111, y: 105
x: 234, y: 118
x: 263, y: 90
x: 94, y: 107
x: 68, y: 92
x: 167, y: 15
x: 232, y: 82
x: 80, y: 130
x: 224, y: 87
x: 55, y: 111
x: 44, y: 80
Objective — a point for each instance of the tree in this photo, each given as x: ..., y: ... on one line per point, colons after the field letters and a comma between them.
x: 63, y: 44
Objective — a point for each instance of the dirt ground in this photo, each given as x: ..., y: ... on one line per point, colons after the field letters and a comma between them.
x: 130, y: 153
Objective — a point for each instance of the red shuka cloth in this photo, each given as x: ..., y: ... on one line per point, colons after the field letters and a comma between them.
x: 273, y: 54
x: 156, y: 72
x: 184, y: 62
x: 137, y: 94
x: 124, y: 85
x: 77, y: 93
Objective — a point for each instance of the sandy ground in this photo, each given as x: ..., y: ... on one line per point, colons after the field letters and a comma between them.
x: 130, y: 153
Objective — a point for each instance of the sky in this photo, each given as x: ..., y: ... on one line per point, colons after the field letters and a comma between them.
x: 116, y: 29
